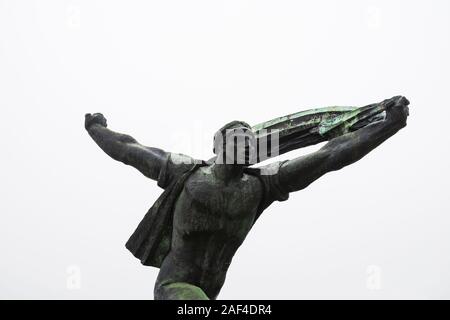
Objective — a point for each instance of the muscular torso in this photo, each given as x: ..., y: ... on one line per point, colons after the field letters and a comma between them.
x: 211, y: 220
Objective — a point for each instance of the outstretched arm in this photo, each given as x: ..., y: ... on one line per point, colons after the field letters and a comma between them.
x: 124, y: 148
x: 298, y: 173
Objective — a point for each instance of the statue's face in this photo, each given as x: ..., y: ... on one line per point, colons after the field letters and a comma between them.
x: 238, y: 147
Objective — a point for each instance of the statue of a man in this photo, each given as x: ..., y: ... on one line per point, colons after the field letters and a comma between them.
x: 207, y: 208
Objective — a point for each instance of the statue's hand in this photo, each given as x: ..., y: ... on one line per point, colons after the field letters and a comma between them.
x: 96, y: 118
x: 398, y: 110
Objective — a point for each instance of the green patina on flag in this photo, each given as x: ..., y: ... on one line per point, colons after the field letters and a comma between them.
x: 314, y: 126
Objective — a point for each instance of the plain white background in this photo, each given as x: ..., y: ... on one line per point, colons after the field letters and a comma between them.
x: 170, y: 73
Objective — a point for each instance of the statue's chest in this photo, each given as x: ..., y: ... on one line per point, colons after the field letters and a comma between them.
x: 206, y: 203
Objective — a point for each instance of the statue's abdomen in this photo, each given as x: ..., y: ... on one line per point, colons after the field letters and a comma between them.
x: 209, y: 226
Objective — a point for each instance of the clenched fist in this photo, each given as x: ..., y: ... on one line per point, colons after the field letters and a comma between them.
x: 96, y: 118
x: 398, y: 110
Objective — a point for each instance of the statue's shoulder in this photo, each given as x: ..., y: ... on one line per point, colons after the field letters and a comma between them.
x: 270, y: 179
x: 271, y: 169
x: 175, y: 166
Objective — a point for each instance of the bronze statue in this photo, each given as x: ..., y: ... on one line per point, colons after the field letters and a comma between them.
x: 208, y: 207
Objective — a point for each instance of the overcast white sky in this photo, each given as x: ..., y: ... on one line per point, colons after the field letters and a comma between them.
x: 172, y: 72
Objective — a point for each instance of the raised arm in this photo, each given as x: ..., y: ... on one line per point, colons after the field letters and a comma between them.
x: 124, y: 148
x: 298, y: 173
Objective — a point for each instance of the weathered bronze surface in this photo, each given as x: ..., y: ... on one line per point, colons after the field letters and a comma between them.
x: 208, y: 207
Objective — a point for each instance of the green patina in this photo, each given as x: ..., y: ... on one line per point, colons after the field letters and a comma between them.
x: 186, y: 291
x: 306, y: 128
x: 314, y: 116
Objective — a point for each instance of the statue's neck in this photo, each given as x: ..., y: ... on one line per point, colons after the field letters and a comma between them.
x: 227, y: 172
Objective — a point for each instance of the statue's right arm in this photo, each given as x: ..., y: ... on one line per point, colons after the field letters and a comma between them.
x: 124, y: 148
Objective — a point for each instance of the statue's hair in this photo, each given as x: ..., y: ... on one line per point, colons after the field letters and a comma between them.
x: 234, y: 124
x: 221, y: 133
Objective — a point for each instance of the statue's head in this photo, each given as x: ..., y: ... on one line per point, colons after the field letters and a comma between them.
x: 235, y: 144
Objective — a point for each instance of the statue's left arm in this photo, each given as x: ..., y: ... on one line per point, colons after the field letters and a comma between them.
x: 342, y: 151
